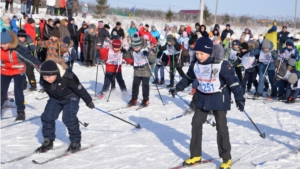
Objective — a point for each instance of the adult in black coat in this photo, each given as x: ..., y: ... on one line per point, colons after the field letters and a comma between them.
x: 73, y: 33
x: 282, y: 36
x: 103, y: 33
x: 48, y: 29
x: 225, y: 32
x: 119, y: 30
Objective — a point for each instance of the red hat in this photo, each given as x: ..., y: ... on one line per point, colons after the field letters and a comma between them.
x: 116, y: 43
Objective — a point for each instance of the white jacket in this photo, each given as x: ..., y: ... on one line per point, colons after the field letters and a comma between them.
x: 50, y: 2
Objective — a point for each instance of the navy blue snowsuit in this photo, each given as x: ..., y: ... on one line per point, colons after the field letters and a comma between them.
x: 65, y: 93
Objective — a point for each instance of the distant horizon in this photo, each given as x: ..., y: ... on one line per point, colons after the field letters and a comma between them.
x: 266, y: 8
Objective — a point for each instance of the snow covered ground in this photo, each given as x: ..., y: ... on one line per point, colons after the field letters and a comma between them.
x: 159, y: 143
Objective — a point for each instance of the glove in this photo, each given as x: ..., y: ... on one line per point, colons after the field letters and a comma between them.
x: 293, y: 56
x: 90, y: 105
x: 173, y: 92
x: 273, y: 53
x: 123, y: 50
x: 240, y: 105
x: 145, y: 53
x: 236, y: 63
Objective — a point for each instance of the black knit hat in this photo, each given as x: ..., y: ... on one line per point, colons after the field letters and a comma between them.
x: 118, y: 23
x: 204, y: 44
x: 245, y: 45
x: 106, y: 26
x: 49, y: 68
x: 30, y: 20
x: 197, y: 24
x: 84, y: 23
x: 67, y: 40
x: 22, y: 33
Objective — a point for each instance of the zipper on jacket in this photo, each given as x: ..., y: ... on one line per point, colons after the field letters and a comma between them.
x: 10, y: 56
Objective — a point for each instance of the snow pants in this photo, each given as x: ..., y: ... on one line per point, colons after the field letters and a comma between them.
x: 18, y: 90
x: 136, y: 85
x: 109, y: 78
x: 52, y: 110
x: 199, y: 118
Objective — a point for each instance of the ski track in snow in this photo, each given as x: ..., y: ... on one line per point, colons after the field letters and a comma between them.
x: 159, y: 143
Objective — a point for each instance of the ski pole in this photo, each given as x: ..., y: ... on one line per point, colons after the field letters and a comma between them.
x: 96, y: 80
x: 170, y: 73
x: 262, y: 135
x: 84, y: 123
x: 110, y: 90
x: 136, y: 126
x: 212, y: 124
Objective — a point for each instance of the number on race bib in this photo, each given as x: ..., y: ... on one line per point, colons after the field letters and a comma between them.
x: 208, y: 87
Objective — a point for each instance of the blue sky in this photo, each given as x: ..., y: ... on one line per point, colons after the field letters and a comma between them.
x: 271, y: 8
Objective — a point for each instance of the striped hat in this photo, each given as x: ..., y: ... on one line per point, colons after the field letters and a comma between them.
x: 136, y: 41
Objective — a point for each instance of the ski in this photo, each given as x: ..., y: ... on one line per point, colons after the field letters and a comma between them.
x: 196, y: 164
x: 4, y: 118
x: 26, y: 156
x: 16, y: 123
x: 140, y: 107
x: 121, y: 108
x: 61, y: 155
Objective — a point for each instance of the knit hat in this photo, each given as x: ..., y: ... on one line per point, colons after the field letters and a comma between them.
x: 293, y: 78
x: 266, y: 44
x: 71, y: 19
x: 84, y: 23
x: 197, y: 24
x: 49, y: 68
x: 204, y: 44
x: 4, y: 18
x: 289, y: 42
x: 5, y: 37
x: 55, y: 33
x: 118, y: 23
x: 116, y: 43
x: 30, y: 20
x: 228, y: 25
x: 67, y: 40
x: 22, y: 33
x: 106, y: 26
x: 245, y: 45
x: 92, y: 26
x: 170, y: 38
x: 246, y: 29
x: 236, y: 42
x: 147, y: 25
x: 292, y: 62
x: 192, y: 41
x: 255, y: 36
x: 136, y: 41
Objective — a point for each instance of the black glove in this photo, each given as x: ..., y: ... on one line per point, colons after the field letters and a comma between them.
x: 293, y: 56
x: 236, y: 62
x: 123, y: 50
x: 90, y: 105
x: 240, y: 105
x: 173, y: 92
x: 145, y: 53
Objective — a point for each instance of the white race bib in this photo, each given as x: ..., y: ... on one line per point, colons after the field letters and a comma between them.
x: 265, y: 58
x: 208, y: 77
x: 139, y: 59
x: 248, y: 61
x: 296, y: 87
x: 232, y: 55
x: 286, y: 55
x: 114, y: 58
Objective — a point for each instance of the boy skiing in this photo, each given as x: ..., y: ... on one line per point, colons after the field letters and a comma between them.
x: 65, y: 91
x: 113, y: 62
x: 141, y: 59
x: 216, y: 80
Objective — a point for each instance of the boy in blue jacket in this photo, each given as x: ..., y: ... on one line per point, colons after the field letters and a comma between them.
x: 216, y: 80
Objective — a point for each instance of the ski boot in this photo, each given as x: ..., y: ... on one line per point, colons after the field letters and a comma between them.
x: 155, y: 81
x: 226, y: 164
x: 145, y: 103
x: 21, y: 115
x: 189, y: 111
x: 192, y: 161
x: 47, y: 145
x: 170, y: 85
x: 101, y: 96
x: 74, y: 147
x: 132, y: 103
x: 161, y: 82
x: 31, y: 89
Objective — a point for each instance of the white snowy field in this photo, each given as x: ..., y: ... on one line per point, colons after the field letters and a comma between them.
x: 159, y: 143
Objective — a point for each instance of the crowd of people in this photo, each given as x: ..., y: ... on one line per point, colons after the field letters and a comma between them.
x: 219, y: 63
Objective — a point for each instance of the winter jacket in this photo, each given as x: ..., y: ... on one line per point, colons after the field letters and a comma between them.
x: 54, y: 49
x: 47, y: 32
x: 14, y: 25
x: 185, y: 42
x: 224, y: 34
x: 155, y: 34
x: 73, y: 31
x: 204, y: 32
x: 84, y: 9
x: 286, y: 53
x: 272, y: 36
x: 50, y: 2
x: 66, y: 86
x: 4, y: 25
x: 30, y: 30
x: 62, y: 3
x: 131, y: 31
x: 90, y: 41
x: 120, y: 32
x: 109, y: 67
x: 219, y: 100
x: 63, y: 30
x: 28, y: 43
x: 75, y: 5
x: 57, y: 4
x: 282, y: 37
x: 140, y: 71
x: 36, y: 2
x: 289, y: 87
x: 69, y: 4
x: 12, y: 60
x: 102, y: 34
x: 142, y: 34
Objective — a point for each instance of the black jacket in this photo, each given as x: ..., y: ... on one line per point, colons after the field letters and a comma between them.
x: 224, y: 34
x: 102, y: 34
x: 73, y: 31
x: 66, y: 87
x: 47, y: 32
x: 120, y: 32
x: 282, y: 37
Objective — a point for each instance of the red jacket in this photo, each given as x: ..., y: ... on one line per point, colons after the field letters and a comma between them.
x: 109, y: 67
x: 62, y: 3
x: 142, y: 33
x: 42, y: 27
x: 10, y: 64
x: 30, y: 30
x: 188, y: 29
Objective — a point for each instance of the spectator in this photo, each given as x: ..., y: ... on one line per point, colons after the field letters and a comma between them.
x: 14, y: 24
x: 103, y: 33
x: 57, y: 6
x: 132, y: 30
x: 75, y: 8
x: 50, y: 7
x: 73, y: 33
x: 63, y: 7
x: 282, y: 37
x: 23, y: 6
x: 80, y: 34
x: 29, y: 28
x: 5, y: 23
x: 28, y: 6
x: 90, y: 40
x: 225, y: 32
x: 119, y: 30
x: 84, y: 10
x: 69, y: 8
x: 63, y: 29
x: 35, y: 6
x: 9, y: 2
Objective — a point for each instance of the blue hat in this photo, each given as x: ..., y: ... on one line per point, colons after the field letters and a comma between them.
x: 5, y: 36
x: 228, y: 25
x: 67, y: 40
x: 204, y: 44
x: 274, y: 28
x: 289, y: 42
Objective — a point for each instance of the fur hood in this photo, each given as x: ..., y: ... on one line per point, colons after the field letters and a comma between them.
x: 15, y: 42
x: 62, y: 67
x: 218, y: 53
